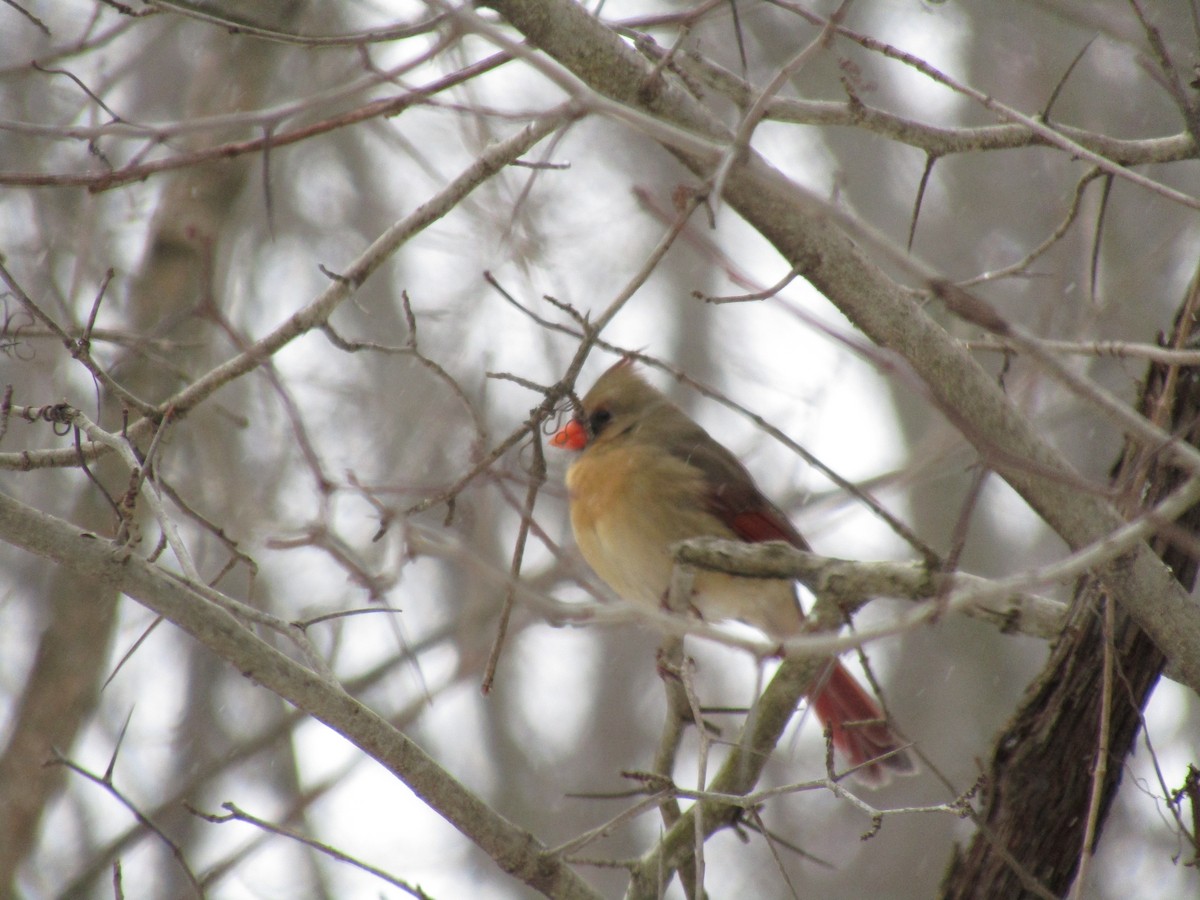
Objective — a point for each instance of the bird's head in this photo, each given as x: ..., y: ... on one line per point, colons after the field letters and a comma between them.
x: 618, y: 404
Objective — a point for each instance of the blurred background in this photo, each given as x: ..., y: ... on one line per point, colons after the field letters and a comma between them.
x: 282, y: 482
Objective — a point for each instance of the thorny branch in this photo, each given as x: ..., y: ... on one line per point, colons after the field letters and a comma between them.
x: 1008, y: 602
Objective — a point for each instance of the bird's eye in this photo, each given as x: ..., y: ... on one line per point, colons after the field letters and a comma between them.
x: 598, y: 420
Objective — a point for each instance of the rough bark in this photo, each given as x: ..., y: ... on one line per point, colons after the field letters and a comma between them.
x: 1041, y: 776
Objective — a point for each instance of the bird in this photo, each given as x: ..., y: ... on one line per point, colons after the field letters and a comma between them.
x: 647, y: 476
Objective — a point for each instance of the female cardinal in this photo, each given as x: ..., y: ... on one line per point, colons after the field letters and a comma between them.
x: 647, y: 477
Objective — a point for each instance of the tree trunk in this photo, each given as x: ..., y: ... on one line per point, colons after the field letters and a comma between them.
x: 1041, y: 778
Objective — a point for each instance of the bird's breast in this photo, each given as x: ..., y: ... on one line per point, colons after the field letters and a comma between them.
x: 629, y: 505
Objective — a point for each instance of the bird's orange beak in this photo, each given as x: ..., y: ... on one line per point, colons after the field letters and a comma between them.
x: 572, y: 436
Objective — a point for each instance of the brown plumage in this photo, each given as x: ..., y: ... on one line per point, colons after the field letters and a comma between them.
x: 647, y: 477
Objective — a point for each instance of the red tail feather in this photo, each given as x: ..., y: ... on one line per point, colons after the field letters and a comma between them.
x: 840, y: 702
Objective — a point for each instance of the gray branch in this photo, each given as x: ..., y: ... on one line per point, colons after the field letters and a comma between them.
x: 107, y: 564
x: 851, y: 584
x: 834, y: 252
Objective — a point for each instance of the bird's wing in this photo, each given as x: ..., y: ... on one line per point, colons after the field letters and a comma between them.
x: 732, y: 495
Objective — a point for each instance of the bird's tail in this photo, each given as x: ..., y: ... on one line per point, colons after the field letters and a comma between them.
x: 860, y: 732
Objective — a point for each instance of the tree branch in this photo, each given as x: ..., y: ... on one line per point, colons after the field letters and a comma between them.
x: 829, y: 250
x: 851, y: 583
x: 102, y: 562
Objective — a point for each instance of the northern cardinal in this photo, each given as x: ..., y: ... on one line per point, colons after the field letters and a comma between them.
x: 648, y: 476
